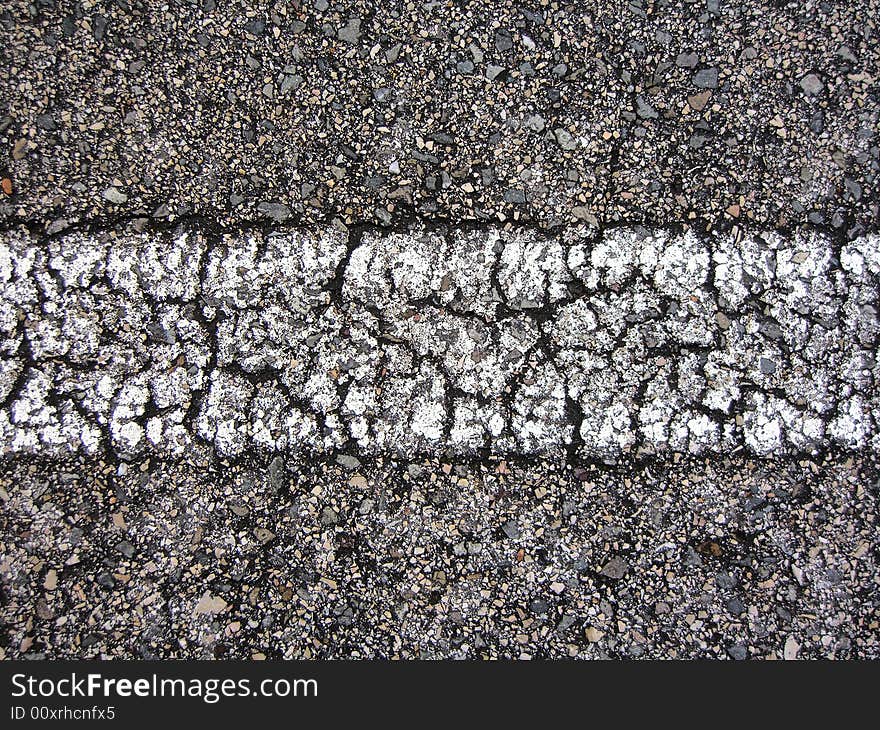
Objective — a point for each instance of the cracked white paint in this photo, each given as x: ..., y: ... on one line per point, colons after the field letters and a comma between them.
x: 511, y: 340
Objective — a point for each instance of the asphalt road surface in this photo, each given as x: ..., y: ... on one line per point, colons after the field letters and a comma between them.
x: 439, y: 329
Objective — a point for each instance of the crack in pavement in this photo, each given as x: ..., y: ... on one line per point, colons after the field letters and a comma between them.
x: 579, y: 341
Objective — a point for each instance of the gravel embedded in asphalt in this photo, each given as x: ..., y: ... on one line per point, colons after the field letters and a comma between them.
x: 360, y: 329
x: 620, y: 111
x: 724, y: 557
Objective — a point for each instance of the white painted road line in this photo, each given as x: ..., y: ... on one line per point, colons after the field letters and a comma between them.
x: 625, y: 342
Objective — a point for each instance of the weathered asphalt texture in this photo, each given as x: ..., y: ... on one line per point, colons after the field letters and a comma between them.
x: 722, y: 557
x: 439, y: 330
x: 281, y: 444
x: 619, y: 110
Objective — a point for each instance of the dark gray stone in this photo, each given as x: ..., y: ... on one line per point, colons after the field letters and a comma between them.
x: 706, y: 78
x: 616, y: 568
x: 644, y: 109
